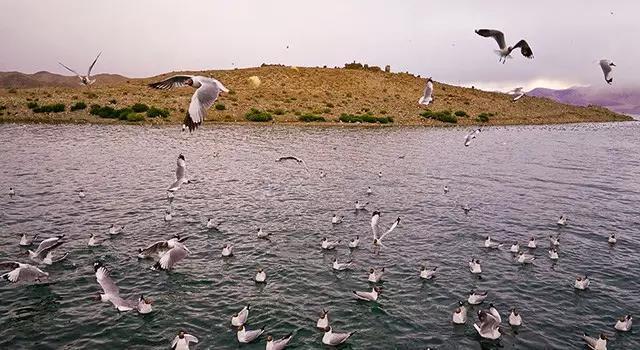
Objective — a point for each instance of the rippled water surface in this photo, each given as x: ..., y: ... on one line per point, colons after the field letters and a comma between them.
x: 517, y: 180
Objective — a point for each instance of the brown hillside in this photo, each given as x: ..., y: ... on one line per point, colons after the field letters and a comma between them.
x: 289, y: 92
x: 19, y: 80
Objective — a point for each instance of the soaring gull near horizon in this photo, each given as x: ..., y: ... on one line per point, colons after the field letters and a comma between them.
x: 84, y: 79
x: 427, y: 96
x: 505, y: 51
x: 207, y: 92
x: 607, y: 70
x: 377, y: 238
x: 181, y: 174
x: 518, y: 93
x: 22, y: 272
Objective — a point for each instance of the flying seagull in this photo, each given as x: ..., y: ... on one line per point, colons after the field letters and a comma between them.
x: 607, y: 70
x: 84, y: 79
x: 22, y: 272
x: 377, y: 238
x: 207, y: 91
x: 181, y: 174
x: 518, y: 93
x: 470, y: 136
x: 111, y: 292
x: 43, y: 255
x: 505, y: 52
x: 428, y: 92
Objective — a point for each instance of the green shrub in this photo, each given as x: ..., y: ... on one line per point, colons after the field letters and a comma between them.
x: 307, y: 118
x: 461, y: 114
x: 364, y: 118
x: 103, y: 112
x: 256, y: 115
x: 123, y: 113
x: 32, y: 105
x: 484, y: 117
x: 220, y: 107
x: 134, y: 117
x: 153, y: 112
x: 443, y: 116
x: 78, y: 106
x: 140, y: 107
x: 54, y: 108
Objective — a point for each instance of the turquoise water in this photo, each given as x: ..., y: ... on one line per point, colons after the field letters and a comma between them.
x: 517, y: 180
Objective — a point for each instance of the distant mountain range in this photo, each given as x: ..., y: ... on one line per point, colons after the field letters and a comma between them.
x: 624, y: 100
x: 46, y: 79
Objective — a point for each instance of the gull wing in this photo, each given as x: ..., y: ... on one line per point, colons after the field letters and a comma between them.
x: 93, y: 64
x: 492, y: 33
x: 391, y: 228
x: 104, y: 279
x: 69, y: 69
x: 171, y: 82
x: 525, y: 49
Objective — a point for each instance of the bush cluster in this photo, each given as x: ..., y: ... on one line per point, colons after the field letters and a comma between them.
x: 308, y: 118
x: 484, y: 117
x: 153, y: 112
x: 140, y: 107
x: 364, y: 118
x: 78, y: 106
x: 53, y: 108
x: 255, y: 115
x: 461, y: 114
x: 443, y: 116
x: 220, y: 107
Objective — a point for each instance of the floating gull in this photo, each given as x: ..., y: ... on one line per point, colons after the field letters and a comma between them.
x: 353, y: 243
x: 428, y: 274
x: 375, y: 276
x: 515, y: 247
x: 360, y: 206
x: 596, y: 344
x: 278, y: 344
x: 212, y: 225
x: 336, y: 219
x: 113, y: 230
x: 340, y: 266
x: 532, y: 243
x: 446, y: 189
x: 427, y: 97
x: 333, y: 339
x: 514, y: 318
x: 182, y: 340
x: 460, y: 314
x: 84, y: 79
x: 93, y: 242
x: 369, y: 190
x: 488, y: 243
x: 245, y: 336
x: 379, y: 173
x: 562, y: 221
x: 466, y: 208
x: 25, y: 241
x: 554, y: 241
x: 322, y: 174
x: 518, y: 93
x: 329, y: 245
x: 470, y: 136
x: 505, y: 52
x: 377, y: 238
x: 474, y: 266
x: 612, y: 239
x: 525, y: 258
x: 624, y: 323
x: 112, y: 292
x: 298, y: 160
x: 240, y: 318
x: 607, y: 70
x: 553, y: 254
x: 207, y: 91
x: 181, y: 174
x: 227, y: 250
x: 262, y: 234
x: 487, y: 326
x: 22, y: 272
x: 81, y: 194
x: 476, y: 298
x: 12, y: 192
x: 368, y: 296
x: 261, y: 276
x: 323, y: 321
x: 582, y: 283
x: 167, y: 216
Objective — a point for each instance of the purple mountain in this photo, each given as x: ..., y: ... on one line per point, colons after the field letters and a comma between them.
x: 625, y: 100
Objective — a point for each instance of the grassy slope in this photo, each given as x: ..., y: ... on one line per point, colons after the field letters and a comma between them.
x: 321, y: 91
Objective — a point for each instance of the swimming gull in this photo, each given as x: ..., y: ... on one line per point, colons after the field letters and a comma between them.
x: 182, y: 340
x: 333, y: 339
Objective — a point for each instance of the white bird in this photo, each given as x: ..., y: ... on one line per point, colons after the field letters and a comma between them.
x: 340, y: 266
x: 278, y: 344
x: 323, y: 321
x: 612, y: 239
x: 84, y: 79
x: 532, y: 243
x: 167, y: 216
x: 488, y: 243
x: 369, y: 190
x: 206, y: 94
x: 177, y: 251
x: 329, y: 245
x: 262, y: 234
x: 518, y: 93
x: 596, y: 344
x: 181, y: 174
x: 336, y: 219
x: 144, y: 305
x: 514, y: 318
x: 505, y: 51
x: 525, y: 258
x: 494, y: 312
x: 111, y: 292
x: 322, y: 174
x: 113, y: 230
x: 375, y: 276
x: 487, y: 326
x: 93, y: 242
x: 333, y: 339
x: 446, y: 189
x: 515, y: 247
x: 240, y: 318
x: 182, y: 340
x: 22, y: 272
x: 582, y: 283
x: 245, y: 336
x: 368, y: 296
x: 159, y: 248
x: 470, y: 136
x: 607, y: 70
x: 227, y: 250
x: 475, y: 267
x: 624, y: 323
x: 460, y: 314
x: 476, y: 298
x: 211, y: 224
x: 554, y: 241
x: 379, y: 173
x: 553, y: 254
x: 360, y: 206
x: 428, y: 274
x: 12, y: 192
x: 43, y: 254
x: 261, y: 276
x: 353, y: 244
x: 562, y: 221
x: 427, y: 95
x: 466, y: 208
x: 81, y: 194
x: 377, y: 238
x: 25, y: 241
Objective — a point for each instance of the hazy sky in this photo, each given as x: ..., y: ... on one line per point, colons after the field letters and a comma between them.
x: 432, y: 38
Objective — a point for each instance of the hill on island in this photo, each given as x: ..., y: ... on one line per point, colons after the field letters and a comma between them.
x: 618, y: 99
x: 288, y: 94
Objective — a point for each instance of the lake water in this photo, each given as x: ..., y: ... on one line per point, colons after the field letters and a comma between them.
x: 517, y: 180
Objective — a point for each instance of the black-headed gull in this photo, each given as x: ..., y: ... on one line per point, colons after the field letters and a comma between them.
x: 279, y: 344
x: 427, y: 95
x: 261, y: 276
x: 460, y: 314
x: 43, y: 254
x: 368, y: 296
x: 323, y: 321
x: 159, y: 248
x: 582, y: 283
x: 377, y: 237
x: 84, y: 79
x: 12, y: 192
x: 514, y: 318
x: 338, y: 266
x: 296, y: 159
x: 111, y: 292
x: 353, y: 243
x: 262, y: 234
x: 182, y: 341
x: 360, y: 206
x: 487, y: 326
x: 334, y: 339
x: 181, y: 174
x: 596, y: 344
x: 247, y: 336
x: 22, y: 272
x: 329, y: 245
x: 515, y: 247
x: 177, y: 251
x: 476, y: 297
x: 25, y: 241
x: 488, y: 243
x: 375, y: 276
x: 505, y: 51
x: 93, y: 242
x: 336, y: 219
x: 607, y: 70
x: 114, y: 231
x: 470, y: 136
x: 612, y: 239
x: 553, y: 254
x: 525, y: 258
x: 240, y: 318
x: 624, y: 323
x: 206, y: 94
x: 532, y: 243
x: 474, y: 266
x: 227, y: 250
x: 427, y: 274
x: 562, y: 221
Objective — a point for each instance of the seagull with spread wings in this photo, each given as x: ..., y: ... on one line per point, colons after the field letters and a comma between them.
x: 607, y: 70
x: 22, y: 272
x: 517, y: 93
x: 84, y: 79
x: 505, y: 51
x: 207, y: 92
x: 181, y: 174
x: 427, y: 96
x: 377, y: 238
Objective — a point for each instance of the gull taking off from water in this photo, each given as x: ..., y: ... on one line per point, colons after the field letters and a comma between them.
x: 607, y: 70
x: 517, y: 93
x: 207, y: 92
x: 505, y: 51
x: 111, y: 292
x: 84, y: 79
x: 182, y: 340
x: 22, y: 272
x: 596, y: 344
x: 159, y: 248
x: 428, y: 92
x: 624, y: 323
x: 177, y: 251
x: 377, y: 238
x: 470, y: 136
x: 181, y: 174
x: 43, y: 254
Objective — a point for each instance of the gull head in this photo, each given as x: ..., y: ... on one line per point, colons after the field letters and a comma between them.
x: 269, y: 338
x: 371, y: 270
x: 181, y: 156
x: 181, y: 335
x: 97, y: 265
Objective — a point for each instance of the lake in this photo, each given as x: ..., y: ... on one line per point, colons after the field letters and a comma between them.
x: 517, y: 180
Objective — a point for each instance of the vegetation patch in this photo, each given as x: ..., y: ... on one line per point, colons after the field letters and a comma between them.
x: 140, y: 107
x: 53, y: 108
x: 308, y: 118
x: 461, y: 114
x: 255, y: 115
x: 364, y: 118
x: 135, y: 117
x: 484, y: 117
x: 220, y: 107
x: 443, y: 116
x: 153, y: 112
x: 78, y: 106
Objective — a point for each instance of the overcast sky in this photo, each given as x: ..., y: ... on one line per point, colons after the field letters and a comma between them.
x: 432, y: 38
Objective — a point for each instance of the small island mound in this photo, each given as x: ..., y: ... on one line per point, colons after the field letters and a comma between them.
x: 354, y: 95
